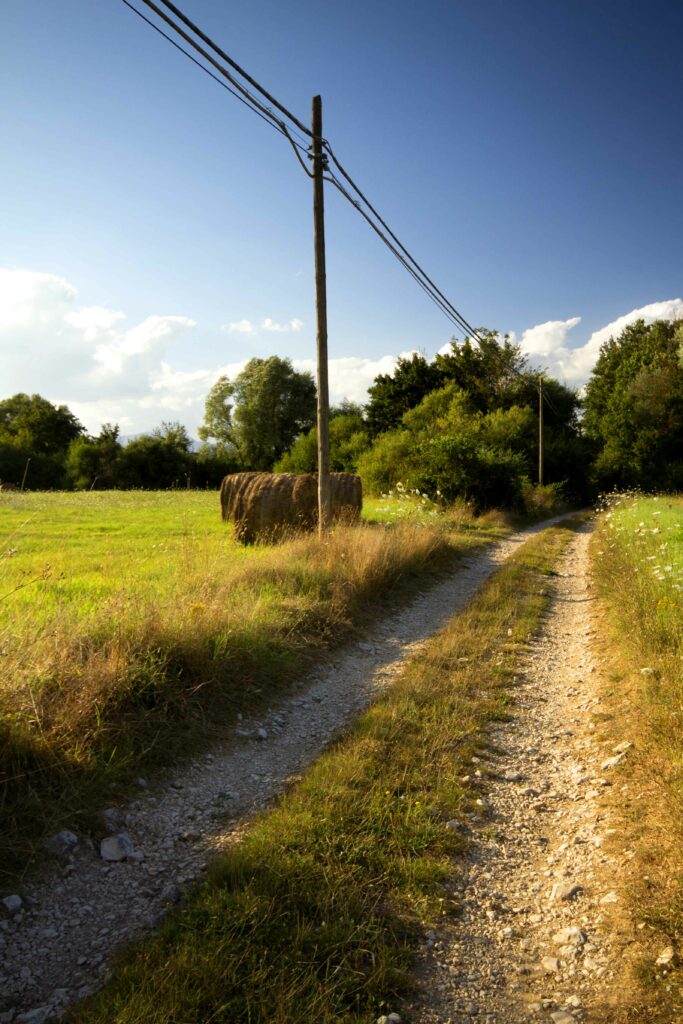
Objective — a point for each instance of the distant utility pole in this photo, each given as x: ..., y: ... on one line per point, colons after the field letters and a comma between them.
x: 23, y: 481
x: 540, y: 430
x: 319, y: 160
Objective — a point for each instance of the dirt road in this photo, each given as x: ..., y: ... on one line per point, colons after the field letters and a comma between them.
x: 540, y: 837
x: 542, y: 934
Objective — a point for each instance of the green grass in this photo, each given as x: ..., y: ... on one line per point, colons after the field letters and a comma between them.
x: 641, y: 542
x: 85, y: 549
x: 132, y: 627
x: 638, y: 565
x: 316, y: 914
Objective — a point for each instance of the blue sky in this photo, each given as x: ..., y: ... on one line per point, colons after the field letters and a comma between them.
x: 529, y: 154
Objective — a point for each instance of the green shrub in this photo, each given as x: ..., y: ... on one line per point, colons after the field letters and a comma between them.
x: 390, y: 461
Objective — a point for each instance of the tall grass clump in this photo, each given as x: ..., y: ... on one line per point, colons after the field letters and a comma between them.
x: 638, y: 554
x: 133, y: 625
x: 638, y: 566
x: 316, y: 913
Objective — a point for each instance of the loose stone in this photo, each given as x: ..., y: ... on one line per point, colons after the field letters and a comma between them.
x: 111, y: 819
x: 61, y: 844
x: 571, y: 936
x: 550, y: 964
x: 116, y: 848
x: 612, y: 762
x: 564, y: 891
x: 12, y: 904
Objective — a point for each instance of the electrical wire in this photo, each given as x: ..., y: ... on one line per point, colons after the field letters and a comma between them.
x: 221, y: 53
x: 433, y: 295
x: 468, y: 327
x: 243, y: 94
x: 246, y: 97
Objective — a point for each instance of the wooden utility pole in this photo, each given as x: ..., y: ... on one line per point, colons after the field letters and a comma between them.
x: 321, y: 314
x: 23, y: 482
x: 540, y: 430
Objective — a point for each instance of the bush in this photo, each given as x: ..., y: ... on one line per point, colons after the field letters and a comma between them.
x: 542, y: 501
x: 456, y: 466
x: 389, y: 462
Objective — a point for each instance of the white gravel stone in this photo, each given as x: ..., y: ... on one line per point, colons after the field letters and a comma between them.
x: 621, y: 748
x: 666, y: 957
x: 564, y: 891
x: 612, y: 762
x: 571, y: 936
x: 12, y: 904
x: 116, y: 848
x: 550, y: 964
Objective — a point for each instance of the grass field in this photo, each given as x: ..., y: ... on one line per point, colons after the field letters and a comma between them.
x: 315, y: 914
x: 638, y: 565
x: 125, y: 615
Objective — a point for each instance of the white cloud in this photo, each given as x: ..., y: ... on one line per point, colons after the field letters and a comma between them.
x: 139, y: 348
x: 546, y: 346
x: 351, y: 376
x: 240, y: 327
x: 548, y: 338
x: 29, y: 299
x: 93, y: 320
x: 72, y: 354
x: 585, y: 357
x: 106, y: 370
x: 292, y: 326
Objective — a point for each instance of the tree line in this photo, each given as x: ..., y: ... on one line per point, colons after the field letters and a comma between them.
x: 464, y: 425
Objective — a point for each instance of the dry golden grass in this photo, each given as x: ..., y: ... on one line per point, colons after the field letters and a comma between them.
x: 171, y: 647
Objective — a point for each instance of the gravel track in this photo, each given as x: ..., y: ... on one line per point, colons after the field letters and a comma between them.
x: 75, y: 915
x: 541, y: 936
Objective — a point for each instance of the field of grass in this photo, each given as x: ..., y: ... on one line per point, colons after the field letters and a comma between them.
x: 638, y: 565
x: 315, y: 915
x: 124, y: 616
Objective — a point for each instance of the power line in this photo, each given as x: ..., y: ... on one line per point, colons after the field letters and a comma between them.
x: 194, y: 60
x: 433, y: 294
x: 252, y: 81
x: 461, y: 320
x: 246, y: 97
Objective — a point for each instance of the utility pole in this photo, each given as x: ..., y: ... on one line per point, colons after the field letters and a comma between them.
x: 23, y: 481
x: 321, y: 315
x: 540, y: 430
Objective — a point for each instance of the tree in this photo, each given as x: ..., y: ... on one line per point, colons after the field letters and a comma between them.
x: 393, y: 394
x: 95, y: 461
x: 36, y: 425
x: 158, y: 460
x: 348, y: 438
x: 634, y: 407
x: 31, y: 428
x: 218, y: 414
x: 493, y: 372
x: 260, y: 414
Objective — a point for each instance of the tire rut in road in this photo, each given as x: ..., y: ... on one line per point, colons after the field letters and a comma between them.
x: 537, y: 938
